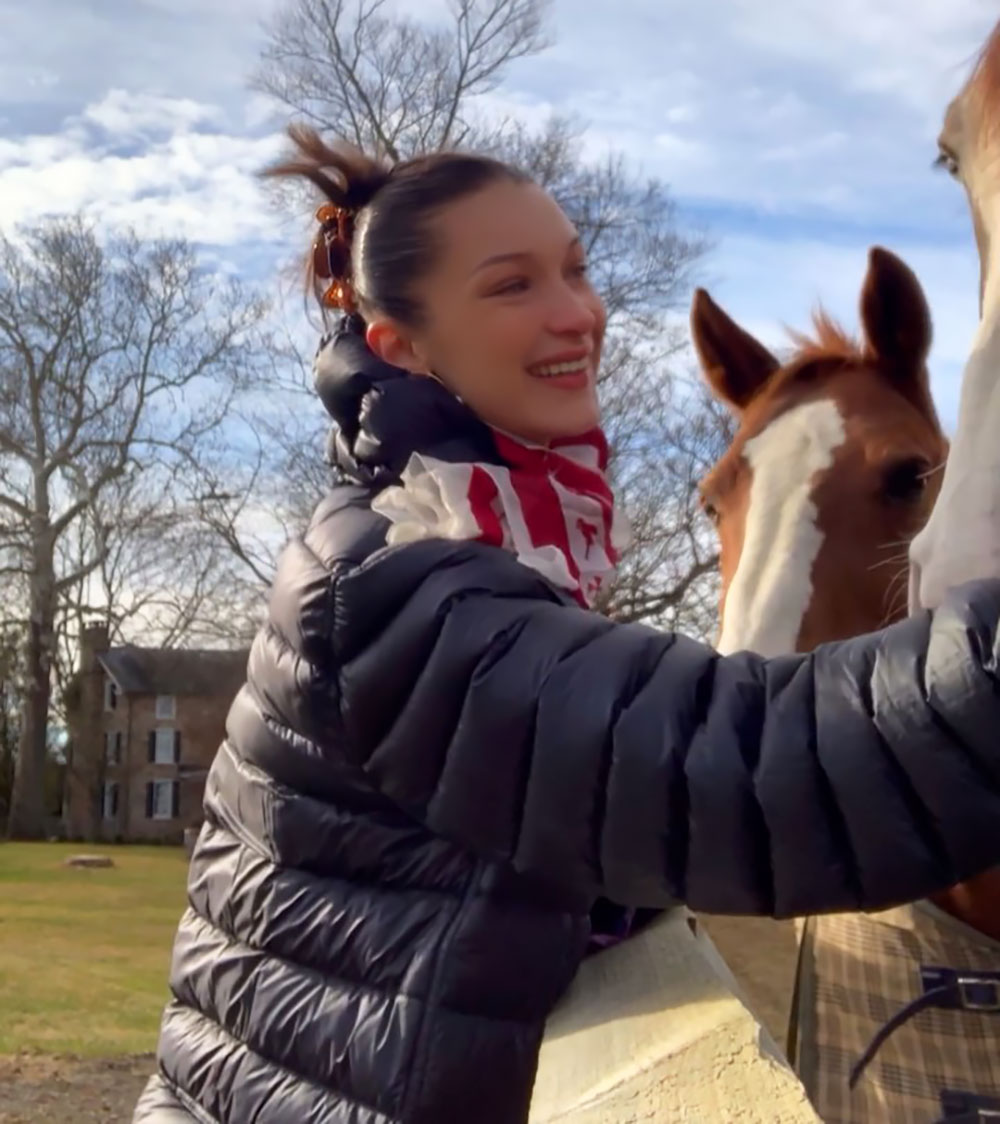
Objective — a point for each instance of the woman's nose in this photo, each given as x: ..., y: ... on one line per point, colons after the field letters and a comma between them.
x: 572, y: 313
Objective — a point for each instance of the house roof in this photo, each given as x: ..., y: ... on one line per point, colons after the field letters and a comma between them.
x: 175, y: 671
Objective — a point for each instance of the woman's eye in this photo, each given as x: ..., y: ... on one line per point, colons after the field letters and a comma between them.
x: 510, y: 287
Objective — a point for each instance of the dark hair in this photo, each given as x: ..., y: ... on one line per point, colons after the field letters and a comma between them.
x: 384, y: 246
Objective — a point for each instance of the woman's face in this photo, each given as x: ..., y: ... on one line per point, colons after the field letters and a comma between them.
x: 511, y: 322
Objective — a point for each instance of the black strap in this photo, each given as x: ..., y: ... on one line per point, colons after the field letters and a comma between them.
x: 947, y: 988
x: 968, y: 1108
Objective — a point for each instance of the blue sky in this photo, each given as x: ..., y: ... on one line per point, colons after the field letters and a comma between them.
x: 796, y: 135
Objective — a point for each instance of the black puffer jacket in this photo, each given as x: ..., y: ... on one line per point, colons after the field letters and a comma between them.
x: 437, y: 763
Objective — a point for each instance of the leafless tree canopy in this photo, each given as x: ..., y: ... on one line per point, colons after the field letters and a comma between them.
x: 393, y: 86
x: 120, y: 362
x: 399, y: 86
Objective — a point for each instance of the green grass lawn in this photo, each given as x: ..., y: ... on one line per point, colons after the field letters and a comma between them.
x: 84, y: 954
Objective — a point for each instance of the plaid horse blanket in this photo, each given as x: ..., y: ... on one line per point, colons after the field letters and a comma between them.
x: 909, y: 1001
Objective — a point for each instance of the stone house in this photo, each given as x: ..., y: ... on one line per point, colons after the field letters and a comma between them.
x: 145, y: 724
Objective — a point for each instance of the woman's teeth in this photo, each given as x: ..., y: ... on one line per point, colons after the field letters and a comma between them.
x: 552, y: 370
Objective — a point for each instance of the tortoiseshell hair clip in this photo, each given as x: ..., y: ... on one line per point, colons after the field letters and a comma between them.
x: 331, y: 256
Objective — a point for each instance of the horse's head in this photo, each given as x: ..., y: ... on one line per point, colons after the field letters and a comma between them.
x: 832, y: 470
x: 961, y: 541
x: 969, y: 149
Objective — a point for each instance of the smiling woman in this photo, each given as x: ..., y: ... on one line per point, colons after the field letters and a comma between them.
x: 506, y: 321
x: 446, y: 780
x: 461, y: 271
x: 517, y: 335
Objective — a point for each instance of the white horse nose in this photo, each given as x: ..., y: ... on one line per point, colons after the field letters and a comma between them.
x: 920, y: 544
x: 913, y: 589
x: 921, y: 550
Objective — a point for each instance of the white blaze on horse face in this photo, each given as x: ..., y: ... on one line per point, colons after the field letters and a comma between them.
x: 771, y: 590
x: 961, y: 540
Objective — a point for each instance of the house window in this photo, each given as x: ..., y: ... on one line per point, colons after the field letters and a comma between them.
x: 112, y: 747
x: 165, y: 707
x: 109, y: 800
x: 164, y: 746
x: 110, y: 694
x: 161, y: 800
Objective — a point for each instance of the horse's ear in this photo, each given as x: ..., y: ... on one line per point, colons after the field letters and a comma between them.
x: 734, y: 364
x: 896, y: 319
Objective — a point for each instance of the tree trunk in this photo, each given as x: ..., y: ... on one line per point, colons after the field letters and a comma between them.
x: 27, y: 806
x: 6, y: 754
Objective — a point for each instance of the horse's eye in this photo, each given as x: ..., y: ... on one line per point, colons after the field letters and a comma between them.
x: 710, y: 510
x: 905, y: 481
x: 948, y: 161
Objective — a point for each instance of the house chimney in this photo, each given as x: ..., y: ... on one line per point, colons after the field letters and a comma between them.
x: 94, y: 639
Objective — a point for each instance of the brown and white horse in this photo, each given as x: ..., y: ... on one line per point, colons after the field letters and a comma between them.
x: 832, y: 471
x: 834, y: 468
x: 830, y: 474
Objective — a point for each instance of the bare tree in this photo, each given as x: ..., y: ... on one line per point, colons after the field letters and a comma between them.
x: 118, y: 362
x: 163, y: 574
x: 669, y: 574
x: 392, y: 85
x: 397, y: 86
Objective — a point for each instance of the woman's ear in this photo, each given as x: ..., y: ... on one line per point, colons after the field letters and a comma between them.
x: 395, y: 346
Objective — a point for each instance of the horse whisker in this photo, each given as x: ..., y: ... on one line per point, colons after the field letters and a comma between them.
x: 897, y: 610
x: 896, y: 594
x: 895, y: 560
x: 896, y: 584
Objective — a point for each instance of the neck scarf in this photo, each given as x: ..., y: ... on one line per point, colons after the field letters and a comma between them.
x: 550, y: 506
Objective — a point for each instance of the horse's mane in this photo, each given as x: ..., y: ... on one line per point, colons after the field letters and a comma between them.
x: 830, y: 342
x: 984, y: 81
x: 829, y: 349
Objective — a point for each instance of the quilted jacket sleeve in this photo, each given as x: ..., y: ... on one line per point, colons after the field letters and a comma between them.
x: 614, y: 759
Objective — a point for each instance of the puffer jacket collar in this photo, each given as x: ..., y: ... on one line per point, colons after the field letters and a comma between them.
x: 382, y: 414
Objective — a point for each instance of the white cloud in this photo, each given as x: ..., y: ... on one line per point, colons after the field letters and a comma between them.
x: 847, y: 96
x: 681, y: 115
x: 816, y: 146
x: 124, y: 113
x: 198, y: 49
x: 41, y: 79
x: 515, y: 105
x: 683, y: 150
x: 200, y: 185
x: 40, y: 150
x: 909, y: 50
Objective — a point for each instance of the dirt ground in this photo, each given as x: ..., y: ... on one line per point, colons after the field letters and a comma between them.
x: 35, y: 1089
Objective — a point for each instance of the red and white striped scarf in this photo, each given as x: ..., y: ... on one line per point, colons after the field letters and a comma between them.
x: 550, y: 506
